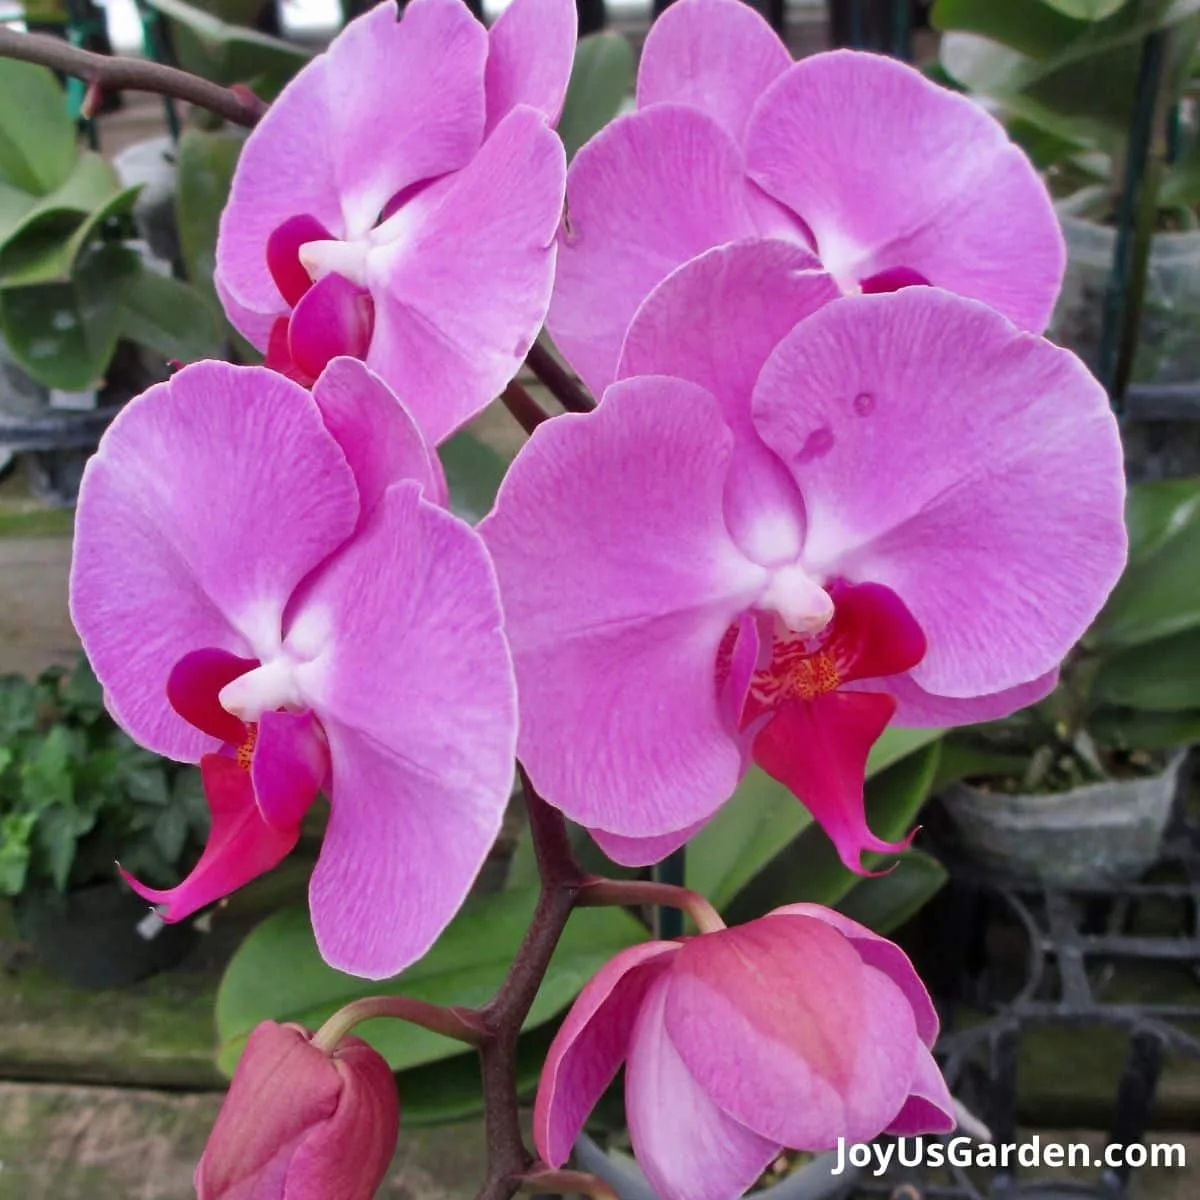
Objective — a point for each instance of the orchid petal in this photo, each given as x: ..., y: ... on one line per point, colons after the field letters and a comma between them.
x: 889, y: 170
x: 930, y: 1107
x: 381, y: 441
x: 334, y: 318
x: 918, y: 709
x: 713, y: 55
x: 192, y: 689
x: 619, y: 581
x: 650, y: 191
x: 825, y: 1051
x: 643, y: 851
x: 441, y: 341
x: 531, y: 49
x: 818, y: 750
x: 241, y: 845
x: 686, y: 1146
x: 195, y: 527
x: 590, y: 1046
x: 289, y: 765
x: 940, y: 451
x: 414, y: 692
x: 283, y: 255
x: 872, y: 635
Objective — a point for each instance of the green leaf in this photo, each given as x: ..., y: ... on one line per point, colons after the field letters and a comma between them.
x: 37, y: 137
x: 167, y: 316
x: 886, y: 902
x: 206, y: 163
x: 278, y: 974
x: 1163, y: 676
x: 1157, y: 596
x: 601, y: 78
x: 225, y: 53
x: 763, y: 817
x: 18, y: 706
x: 46, y: 778
x: 474, y: 472
x: 1087, y: 10
x: 1031, y: 27
x: 1128, y: 729
x: 58, y: 832
x: 810, y: 870
x: 16, y: 831
x: 170, y: 832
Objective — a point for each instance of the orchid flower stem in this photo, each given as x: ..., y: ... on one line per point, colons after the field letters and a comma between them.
x: 563, y: 386
x: 627, y: 893
x: 109, y: 73
x: 528, y: 412
x: 460, y: 1024
x: 542, y: 1179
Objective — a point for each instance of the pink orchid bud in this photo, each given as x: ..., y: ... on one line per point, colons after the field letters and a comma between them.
x: 795, y: 1030
x: 301, y: 1123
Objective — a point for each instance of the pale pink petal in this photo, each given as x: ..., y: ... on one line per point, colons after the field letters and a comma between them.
x: 940, y: 452
x: 919, y: 709
x: 786, y: 1029
x: 241, y: 845
x: 414, y: 691
x: 192, y: 689
x: 619, y: 581
x: 889, y: 170
x: 210, y: 498
x: 461, y: 294
x: 317, y: 151
x: 531, y: 48
x: 590, y: 1046
x: 649, y: 192
x: 885, y: 956
x: 642, y: 852
x: 715, y: 55
x: 289, y: 765
x: 380, y: 440
x: 333, y: 318
x: 743, y: 643
x: 930, y: 1107
x: 818, y: 750
x: 686, y: 1146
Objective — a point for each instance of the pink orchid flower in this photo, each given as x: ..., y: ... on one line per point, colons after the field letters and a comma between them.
x: 263, y: 584
x: 398, y: 203
x: 302, y: 1124
x: 791, y: 1031
x: 794, y: 517
x: 885, y: 177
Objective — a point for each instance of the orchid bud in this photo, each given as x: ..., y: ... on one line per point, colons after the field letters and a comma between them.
x: 302, y: 1123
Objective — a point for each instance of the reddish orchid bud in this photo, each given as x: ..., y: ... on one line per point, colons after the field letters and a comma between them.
x: 300, y: 1123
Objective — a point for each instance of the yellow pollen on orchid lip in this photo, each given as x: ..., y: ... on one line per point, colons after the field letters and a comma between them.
x: 245, y: 752
x: 806, y: 676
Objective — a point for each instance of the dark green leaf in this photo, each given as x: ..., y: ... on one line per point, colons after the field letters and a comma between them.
x: 887, y: 901
x: 46, y: 777
x: 206, y: 162
x: 18, y: 706
x: 601, y: 78
x: 37, y: 137
x: 1030, y: 27
x: 1128, y: 729
x: 167, y: 316
x: 81, y: 690
x: 58, y: 832
x: 171, y: 832
x: 1163, y: 676
x: 16, y: 830
x: 278, y: 974
x: 763, y: 817
x: 474, y: 472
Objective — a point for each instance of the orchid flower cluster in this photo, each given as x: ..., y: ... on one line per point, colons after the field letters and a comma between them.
x: 835, y: 480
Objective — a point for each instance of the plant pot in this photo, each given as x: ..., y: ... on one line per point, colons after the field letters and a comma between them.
x: 1106, y: 833
x: 813, y: 1181
x: 99, y: 936
x: 1163, y: 403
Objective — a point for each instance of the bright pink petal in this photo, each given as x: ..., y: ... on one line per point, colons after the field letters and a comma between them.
x: 590, y: 1046
x: 929, y: 1107
x: 283, y: 255
x: 715, y: 321
x: 334, y: 318
x: 918, y: 709
x: 940, y: 452
x: 715, y: 55
x: 461, y: 293
x: 881, y: 954
x: 642, y: 852
x: 414, y: 691
x: 649, y: 192
x: 210, y: 498
x: 818, y: 750
x: 889, y: 170
x: 872, y: 634
x: 241, y: 845
x: 789, y: 1033
x: 531, y: 48
x: 192, y: 688
x: 289, y: 765
x: 317, y: 151
x: 619, y: 581
x: 380, y: 440
x: 686, y: 1146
